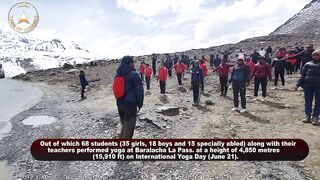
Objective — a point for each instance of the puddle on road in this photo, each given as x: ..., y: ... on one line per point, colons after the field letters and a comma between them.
x: 5, y: 172
x: 36, y: 121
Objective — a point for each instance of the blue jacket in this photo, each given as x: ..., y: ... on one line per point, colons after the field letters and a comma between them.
x: 310, y: 75
x: 134, y: 94
x: 83, y: 80
x: 240, y: 74
x: 196, y: 76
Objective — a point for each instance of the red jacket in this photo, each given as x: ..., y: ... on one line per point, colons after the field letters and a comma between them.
x: 180, y: 67
x: 281, y: 53
x: 204, y: 69
x: 163, y: 74
x: 251, y: 65
x: 142, y: 68
x: 148, y: 71
x: 290, y: 57
x: 223, y: 70
x: 262, y: 70
x: 205, y: 60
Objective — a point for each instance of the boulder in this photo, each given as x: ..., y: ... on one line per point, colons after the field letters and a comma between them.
x: 168, y: 111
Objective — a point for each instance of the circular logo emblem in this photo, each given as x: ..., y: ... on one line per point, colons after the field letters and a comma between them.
x: 23, y: 17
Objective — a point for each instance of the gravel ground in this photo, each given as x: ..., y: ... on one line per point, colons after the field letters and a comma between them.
x: 96, y: 117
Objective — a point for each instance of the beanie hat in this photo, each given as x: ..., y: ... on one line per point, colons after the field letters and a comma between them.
x: 127, y: 60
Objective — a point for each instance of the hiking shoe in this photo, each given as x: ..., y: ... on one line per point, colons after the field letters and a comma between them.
x: 315, y: 121
x: 307, y: 119
x: 243, y: 110
x: 235, y: 109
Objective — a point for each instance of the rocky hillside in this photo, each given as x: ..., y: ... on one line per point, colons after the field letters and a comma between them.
x: 19, y: 53
x: 306, y: 21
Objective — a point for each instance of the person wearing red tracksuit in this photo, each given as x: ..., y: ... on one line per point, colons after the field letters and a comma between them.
x: 142, y: 70
x: 251, y: 64
x: 148, y: 74
x: 223, y: 71
x: 179, y: 68
x: 162, y: 78
x: 291, y: 61
x: 261, y: 73
x: 203, y: 66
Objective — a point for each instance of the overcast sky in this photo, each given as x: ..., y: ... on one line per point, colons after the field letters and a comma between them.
x: 113, y: 28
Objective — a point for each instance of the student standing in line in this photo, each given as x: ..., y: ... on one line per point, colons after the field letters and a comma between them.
x: 260, y: 74
x: 310, y: 81
x: 217, y: 61
x: 279, y: 65
x: 169, y: 64
x: 179, y: 68
x: 83, y: 82
x: 154, y: 64
x: 196, y: 82
x: 223, y: 71
x: 162, y: 78
x: 240, y: 78
x: 128, y: 89
x: 250, y: 63
x: 203, y: 66
x: 142, y: 70
x: 148, y: 74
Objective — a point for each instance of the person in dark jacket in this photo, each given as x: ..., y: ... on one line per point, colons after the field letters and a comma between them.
x: 84, y: 83
x: 133, y: 98
x: 225, y: 54
x: 154, y: 64
x: 175, y: 59
x: 310, y: 81
x: 261, y: 73
x: 217, y: 61
x: 307, y: 55
x: 240, y: 78
x: 169, y: 64
x: 196, y: 82
x: 187, y: 62
x: 299, y: 57
x: 254, y: 56
x: 269, y: 54
x: 211, y: 60
x: 279, y: 65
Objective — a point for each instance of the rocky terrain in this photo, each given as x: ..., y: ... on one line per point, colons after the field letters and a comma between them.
x: 279, y: 116
x: 306, y: 21
x: 96, y: 117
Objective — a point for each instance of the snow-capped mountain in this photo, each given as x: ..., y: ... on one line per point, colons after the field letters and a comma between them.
x: 306, y: 21
x: 19, y: 53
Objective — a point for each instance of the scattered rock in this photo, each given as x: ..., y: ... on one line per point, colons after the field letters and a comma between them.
x: 182, y: 89
x: 70, y: 71
x: 168, y: 111
x: 67, y: 66
x: 209, y: 103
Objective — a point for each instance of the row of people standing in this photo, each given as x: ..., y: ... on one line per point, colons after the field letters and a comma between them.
x: 133, y: 96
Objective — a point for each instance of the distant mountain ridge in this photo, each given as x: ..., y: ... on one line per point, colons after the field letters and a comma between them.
x: 19, y: 53
x: 306, y: 21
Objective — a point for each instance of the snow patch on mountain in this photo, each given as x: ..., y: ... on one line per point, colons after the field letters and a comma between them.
x: 306, y: 21
x: 21, y: 53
